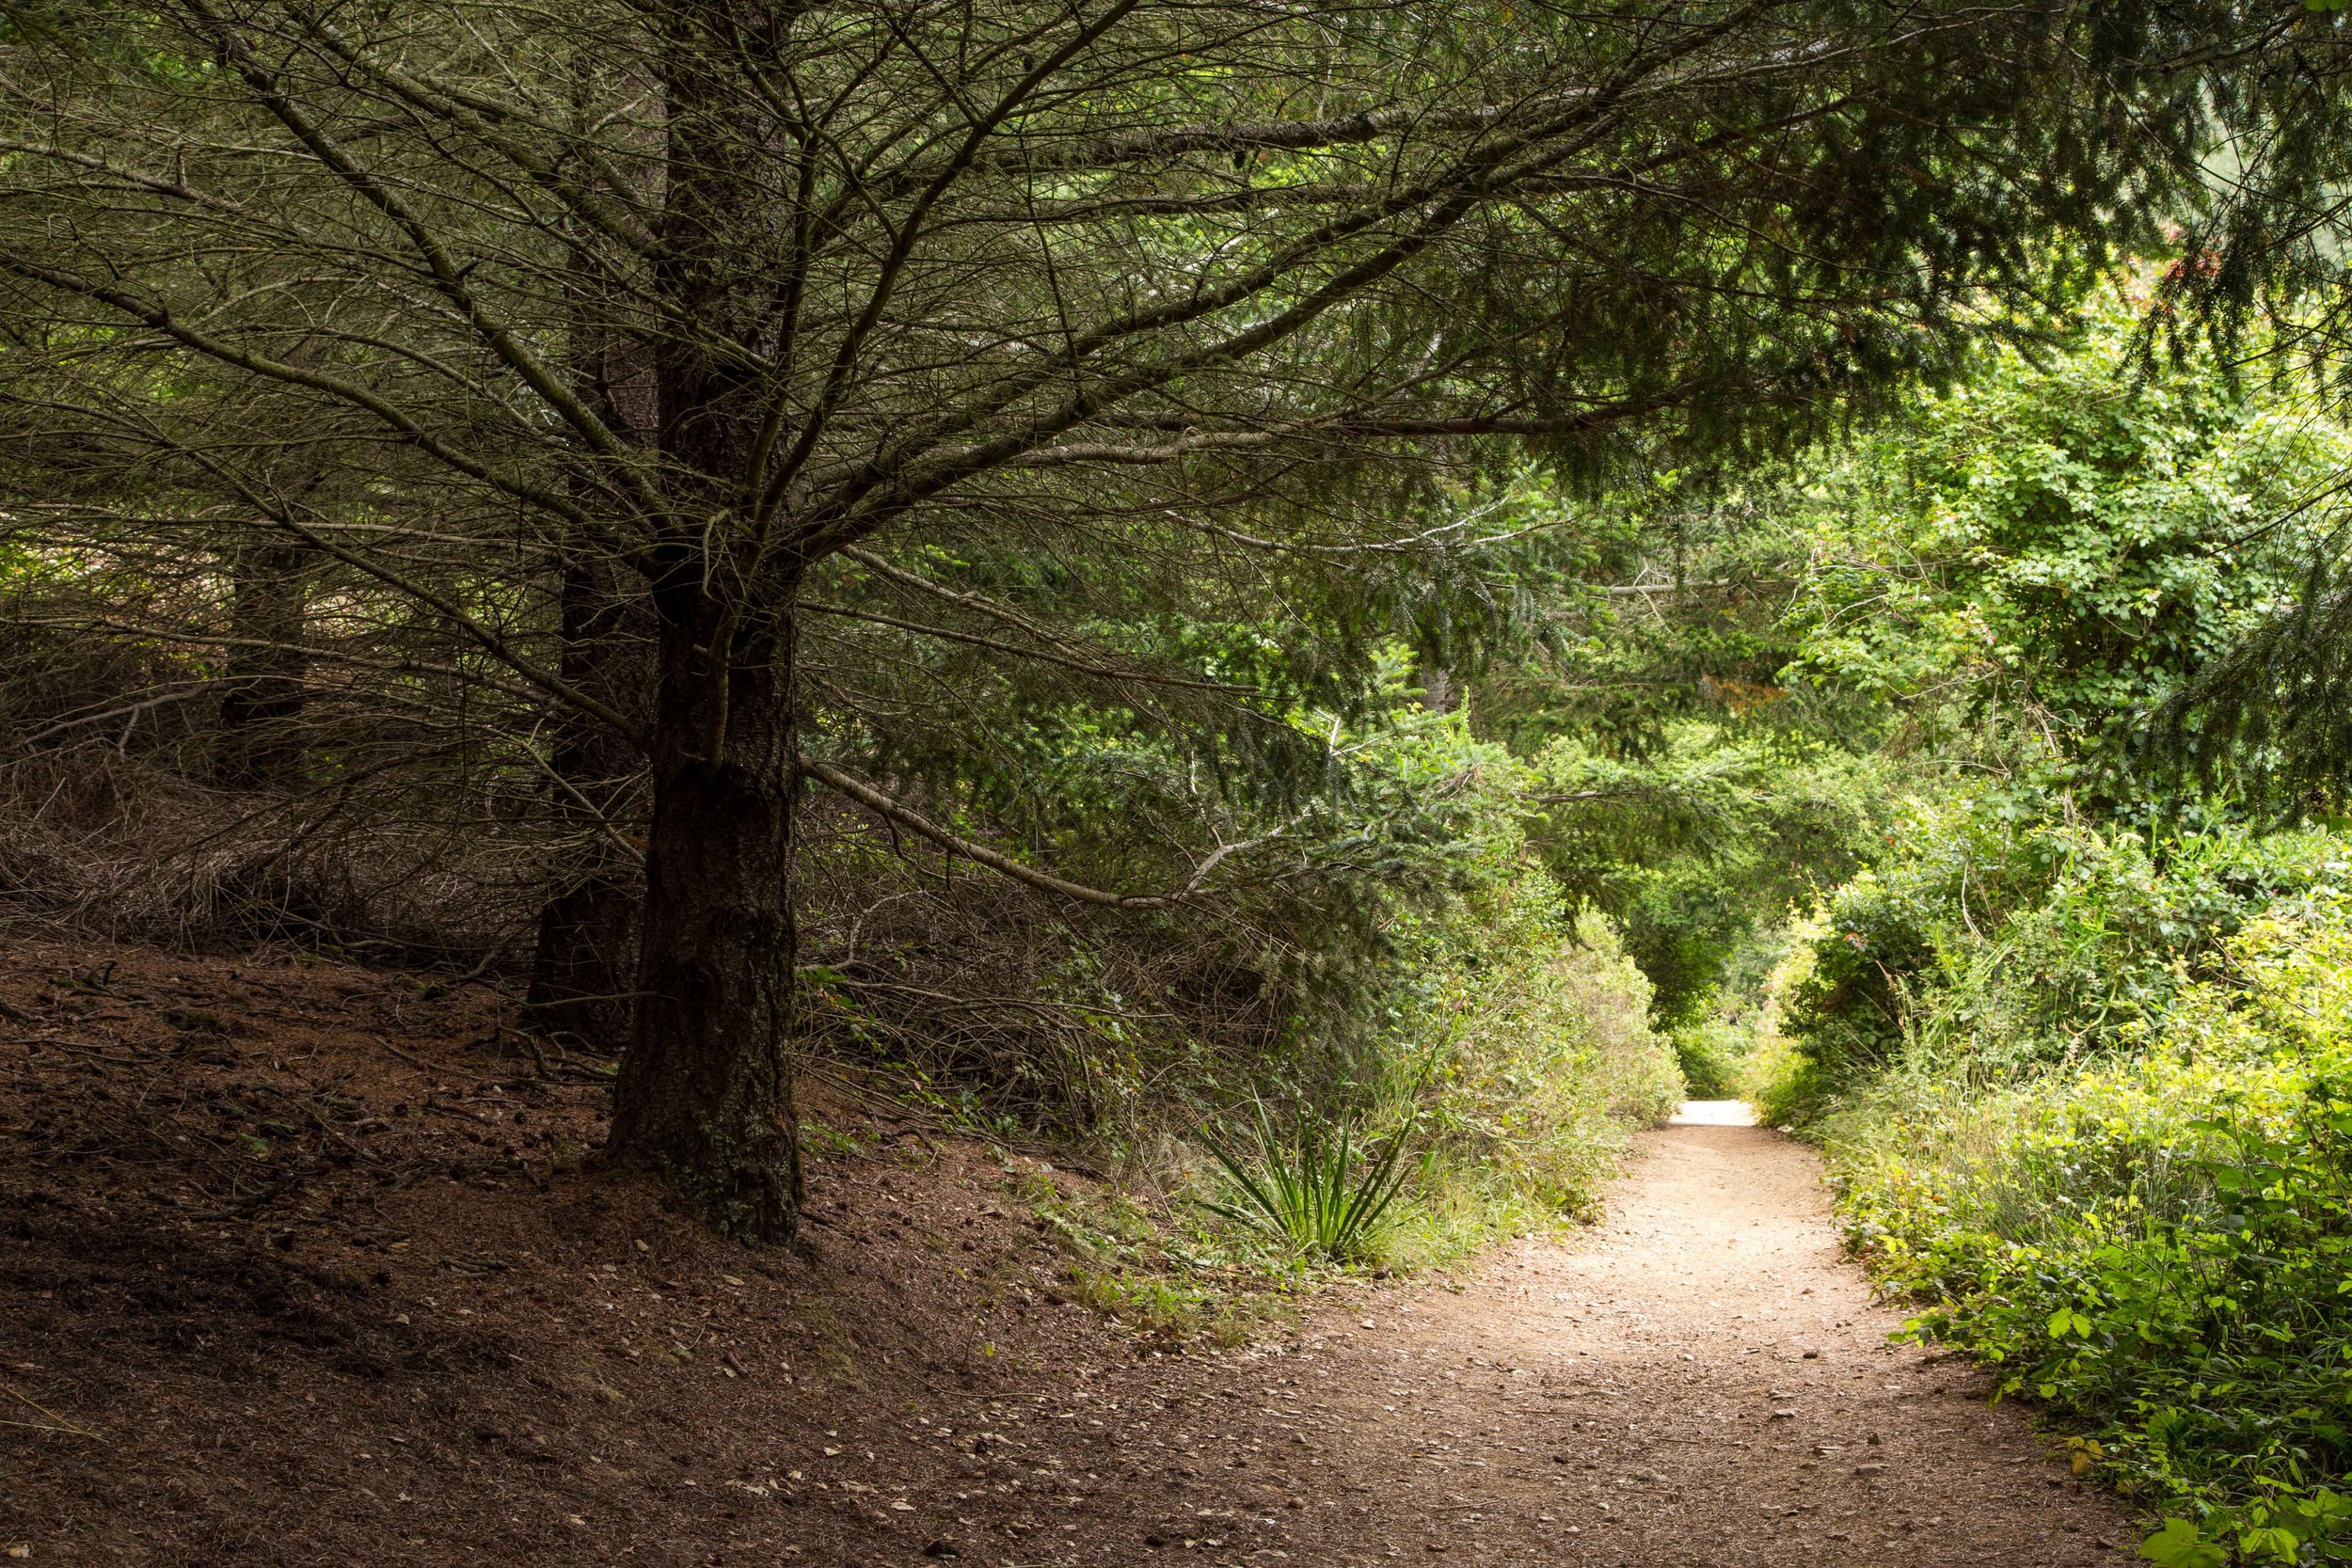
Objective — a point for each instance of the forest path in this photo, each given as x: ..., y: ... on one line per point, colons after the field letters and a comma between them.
x: 443, y: 1350
x: 1701, y: 1380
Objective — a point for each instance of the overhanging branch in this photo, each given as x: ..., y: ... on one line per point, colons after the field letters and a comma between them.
x: 981, y: 854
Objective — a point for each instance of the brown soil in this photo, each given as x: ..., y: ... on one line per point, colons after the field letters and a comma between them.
x: 294, y: 1268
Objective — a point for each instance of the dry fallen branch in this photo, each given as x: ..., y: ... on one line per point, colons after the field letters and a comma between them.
x: 54, y: 1422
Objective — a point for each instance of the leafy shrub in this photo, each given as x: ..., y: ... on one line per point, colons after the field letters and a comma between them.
x: 1540, y: 1051
x: 1854, y: 1002
x: 2118, y: 931
x: 1709, y: 1055
x: 2159, y: 1243
x: 2000, y: 946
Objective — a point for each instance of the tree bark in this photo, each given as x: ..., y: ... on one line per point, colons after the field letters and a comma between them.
x: 704, y: 1095
x: 583, y: 963
x: 259, y: 743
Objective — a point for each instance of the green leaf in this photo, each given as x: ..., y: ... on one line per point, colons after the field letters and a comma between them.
x: 2179, y: 1544
x: 2269, y: 1542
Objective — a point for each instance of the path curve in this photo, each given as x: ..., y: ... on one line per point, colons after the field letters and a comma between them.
x: 1703, y: 1380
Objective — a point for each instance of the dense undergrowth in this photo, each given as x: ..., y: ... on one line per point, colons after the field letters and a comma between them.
x: 2099, y: 1125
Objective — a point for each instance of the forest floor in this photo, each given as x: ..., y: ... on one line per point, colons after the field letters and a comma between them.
x: 297, y: 1268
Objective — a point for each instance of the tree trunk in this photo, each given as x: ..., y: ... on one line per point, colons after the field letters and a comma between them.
x: 705, y: 1096
x: 259, y: 742
x: 583, y: 966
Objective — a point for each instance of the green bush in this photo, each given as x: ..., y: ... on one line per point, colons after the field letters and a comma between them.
x: 1711, y: 1054
x: 2002, y: 942
x: 2158, y: 1242
x: 1522, y: 1054
x: 1853, y: 1004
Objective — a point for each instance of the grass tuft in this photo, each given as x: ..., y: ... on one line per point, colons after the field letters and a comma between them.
x: 1321, y: 1195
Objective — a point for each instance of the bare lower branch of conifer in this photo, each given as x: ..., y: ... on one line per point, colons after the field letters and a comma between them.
x: 1194, y: 887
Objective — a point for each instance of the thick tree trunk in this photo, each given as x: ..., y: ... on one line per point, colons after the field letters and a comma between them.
x: 705, y: 1096
x: 583, y: 966
x: 258, y: 740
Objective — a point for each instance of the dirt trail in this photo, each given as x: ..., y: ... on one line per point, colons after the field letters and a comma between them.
x: 299, y: 1240
x: 1701, y: 1381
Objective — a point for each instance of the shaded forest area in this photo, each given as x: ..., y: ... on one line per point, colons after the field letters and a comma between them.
x: 1314, y: 612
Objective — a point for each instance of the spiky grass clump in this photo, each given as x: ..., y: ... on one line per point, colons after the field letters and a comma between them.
x: 1321, y: 1195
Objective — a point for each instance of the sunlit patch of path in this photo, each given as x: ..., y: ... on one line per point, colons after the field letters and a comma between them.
x: 1713, y: 1113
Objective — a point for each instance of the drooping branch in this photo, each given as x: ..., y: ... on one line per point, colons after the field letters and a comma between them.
x: 1116, y: 673
x: 876, y: 800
